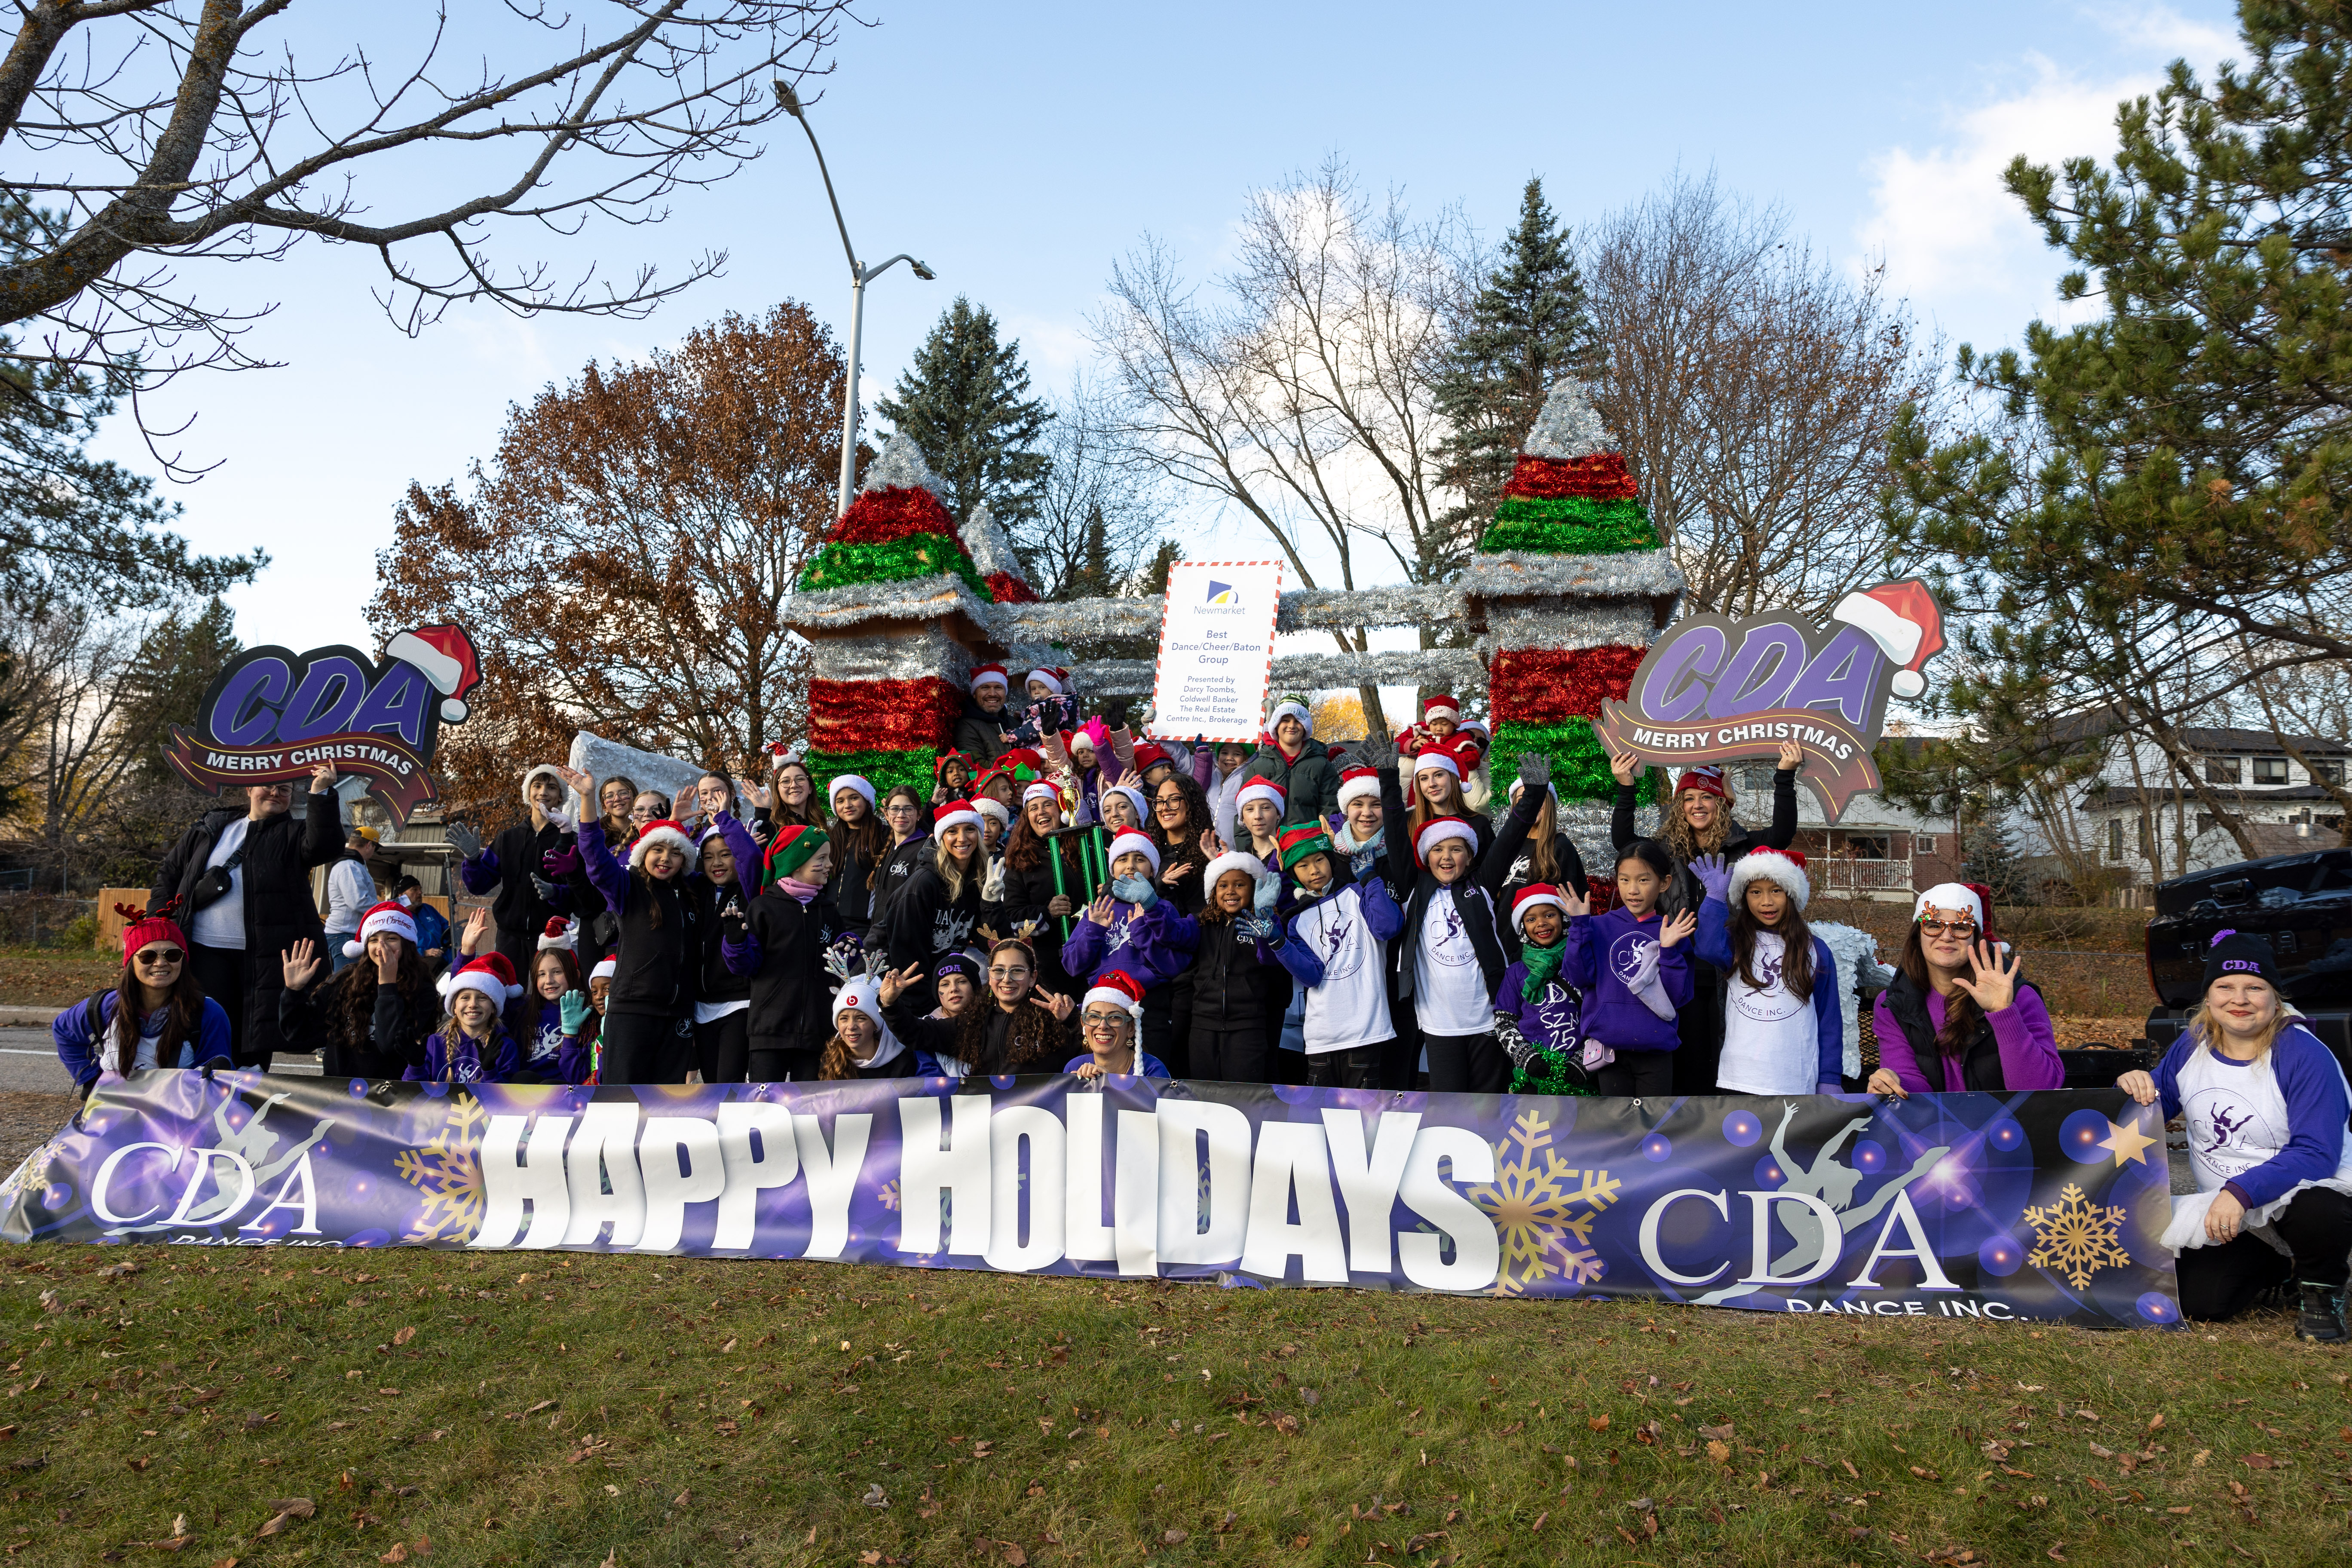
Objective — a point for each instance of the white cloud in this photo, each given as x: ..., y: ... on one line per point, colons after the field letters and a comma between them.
x: 1959, y: 244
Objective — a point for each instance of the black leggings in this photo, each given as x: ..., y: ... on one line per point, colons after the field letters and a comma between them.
x: 1230, y: 1055
x: 1356, y: 1067
x: 220, y: 971
x: 1649, y: 1074
x: 1468, y: 1064
x: 2219, y: 1282
x: 641, y: 1048
x: 723, y: 1048
x: 769, y: 1066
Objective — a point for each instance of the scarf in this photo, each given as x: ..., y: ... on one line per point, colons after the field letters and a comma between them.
x: 798, y: 888
x: 1543, y: 967
x: 1344, y: 840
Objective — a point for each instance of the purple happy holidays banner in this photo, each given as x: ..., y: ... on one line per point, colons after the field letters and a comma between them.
x: 2044, y: 1207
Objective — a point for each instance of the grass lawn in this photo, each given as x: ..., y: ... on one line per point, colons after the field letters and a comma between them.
x: 53, y: 977
x: 447, y: 1409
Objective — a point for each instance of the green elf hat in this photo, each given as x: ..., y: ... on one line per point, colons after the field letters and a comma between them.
x: 791, y: 850
x: 1306, y: 839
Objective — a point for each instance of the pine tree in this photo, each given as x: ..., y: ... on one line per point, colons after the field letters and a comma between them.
x: 965, y: 405
x: 1528, y: 327
x: 1987, y: 856
x: 177, y: 662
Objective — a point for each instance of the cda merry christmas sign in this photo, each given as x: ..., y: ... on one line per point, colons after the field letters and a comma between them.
x: 2044, y: 1207
x: 276, y: 714
x: 1713, y: 689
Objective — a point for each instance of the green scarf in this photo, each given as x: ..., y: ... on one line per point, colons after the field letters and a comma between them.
x: 1543, y: 966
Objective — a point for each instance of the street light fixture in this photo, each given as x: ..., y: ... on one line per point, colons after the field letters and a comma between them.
x: 790, y: 102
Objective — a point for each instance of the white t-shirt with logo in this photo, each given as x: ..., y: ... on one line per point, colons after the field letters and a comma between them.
x: 1770, y: 1042
x: 221, y: 923
x: 2236, y: 1118
x: 1449, y: 990
x: 1350, y: 1007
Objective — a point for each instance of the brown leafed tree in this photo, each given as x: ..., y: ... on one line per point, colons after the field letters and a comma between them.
x: 623, y: 559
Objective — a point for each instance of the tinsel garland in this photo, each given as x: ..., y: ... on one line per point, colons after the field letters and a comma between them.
x: 822, y: 612
x: 1549, y: 1076
x: 898, y: 714
x: 1586, y: 624
x: 1569, y: 427
x: 1602, y: 477
x: 1009, y: 589
x: 901, y: 654
x: 1543, y: 686
x: 1627, y: 531
x: 1499, y: 573
x: 1584, y: 511
x: 1580, y: 763
x: 879, y: 516
x: 918, y: 555
x: 900, y: 466
x: 884, y: 770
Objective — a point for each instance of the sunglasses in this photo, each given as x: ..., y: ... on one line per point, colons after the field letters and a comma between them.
x: 157, y: 957
x: 1955, y: 928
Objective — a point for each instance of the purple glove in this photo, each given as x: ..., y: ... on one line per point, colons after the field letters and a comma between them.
x: 564, y: 860
x: 1713, y: 876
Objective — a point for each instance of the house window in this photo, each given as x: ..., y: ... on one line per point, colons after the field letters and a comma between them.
x: 2327, y: 772
x: 1865, y: 847
x: 1923, y: 844
x: 2115, y: 838
x: 1756, y: 776
x: 2270, y: 770
x: 2222, y: 769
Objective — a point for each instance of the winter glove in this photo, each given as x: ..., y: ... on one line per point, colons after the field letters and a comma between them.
x: 574, y: 1008
x: 1254, y: 928
x: 1713, y: 876
x: 465, y: 840
x: 992, y: 887
x: 564, y: 860
x: 1269, y: 887
x: 1535, y: 769
x: 1136, y: 891
x: 1360, y: 864
x: 544, y: 887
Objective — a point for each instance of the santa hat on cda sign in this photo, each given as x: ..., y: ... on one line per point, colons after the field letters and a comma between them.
x: 1903, y: 620
x: 444, y: 654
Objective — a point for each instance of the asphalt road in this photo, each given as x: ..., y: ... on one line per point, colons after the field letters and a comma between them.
x: 28, y: 1063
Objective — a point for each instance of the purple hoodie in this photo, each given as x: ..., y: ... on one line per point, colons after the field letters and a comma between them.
x: 1603, y: 952
x: 1155, y: 945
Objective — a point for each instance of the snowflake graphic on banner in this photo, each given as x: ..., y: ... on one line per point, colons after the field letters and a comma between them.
x: 2075, y: 1237
x: 445, y: 1168
x: 1543, y: 1209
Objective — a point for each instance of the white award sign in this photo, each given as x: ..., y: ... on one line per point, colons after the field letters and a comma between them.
x: 1216, y: 649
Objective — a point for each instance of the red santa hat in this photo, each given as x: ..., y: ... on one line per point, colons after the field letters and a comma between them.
x: 1120, y: 989
x: 953, y: 812
x: 1437, y: 830
x: 1903, y: 620
x: 1534, y: 896
x: 1440, y: 705
x: 605, y: 969
x: 1785, y: 867
x: 389, y: 915
x: 1041, y: 790
x: 560, y: 935
x: 1138, y: 844
x: 1974, y: 899
x: 665, y: 831
x: 1055, y: 678
x: 1440, y: 756
x: 491, y: 974
x: 990, y: 675
x: 1358, y: 781
x: 1148, y: 755
x: 1262, y: 789
x: 445, y: 655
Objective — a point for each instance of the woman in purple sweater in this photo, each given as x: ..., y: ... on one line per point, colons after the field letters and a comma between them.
x: 1958, y: 1019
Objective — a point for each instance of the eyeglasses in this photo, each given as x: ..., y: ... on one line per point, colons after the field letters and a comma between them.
x: 1174, y: 797
x: 1955, y: 928
x: 1103, y: 1023
x: 155, y: 958
x: 1016, y: 972
x: 900, y: 808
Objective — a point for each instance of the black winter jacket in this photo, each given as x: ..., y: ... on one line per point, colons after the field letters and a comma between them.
x: 1473, y: 892
x: 1232, y: 988
x: 790, y: 1010
x: 983, y: 736
x: 313, y: 1020
x: 1980, y: 1065
x: 898, y: 866
x: 278, y: 908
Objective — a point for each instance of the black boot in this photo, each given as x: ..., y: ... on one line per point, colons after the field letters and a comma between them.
x: 2323, y: 1313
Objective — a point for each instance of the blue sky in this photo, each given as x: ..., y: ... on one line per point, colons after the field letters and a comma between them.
x: 1019, y: 149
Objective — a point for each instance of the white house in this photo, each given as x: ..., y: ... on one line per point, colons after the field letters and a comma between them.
x: 2146, y: 824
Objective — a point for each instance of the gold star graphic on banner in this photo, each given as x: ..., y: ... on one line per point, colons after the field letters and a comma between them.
x: 2126, y: 1141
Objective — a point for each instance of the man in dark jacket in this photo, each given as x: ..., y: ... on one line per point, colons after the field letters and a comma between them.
x: 1310, y: 781
x: 516, y: 866
x: 985, y: 730
x: 238, y: 940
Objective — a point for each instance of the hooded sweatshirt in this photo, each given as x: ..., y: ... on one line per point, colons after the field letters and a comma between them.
x: 1155, y: 945
x: 1604, y: 951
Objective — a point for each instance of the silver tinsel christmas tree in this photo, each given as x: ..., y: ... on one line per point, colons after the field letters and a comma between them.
x: 1569, y: 426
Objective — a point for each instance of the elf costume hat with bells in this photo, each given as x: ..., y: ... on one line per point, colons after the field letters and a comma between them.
x: 390, y: 916
x: 1299, y: 843
x: 792, y: 848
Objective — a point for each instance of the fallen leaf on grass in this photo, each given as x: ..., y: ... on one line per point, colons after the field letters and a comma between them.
x: 1014, y: 1555
x: 402, y: 1336
x: 1175, y: 1537
x: 175, y: 1544
x: 288, y: 1510
x: 1541, y: 1519
x: 1286, y: 1425
x: 1850, y: 1469
x: 1598, y: 1423
x: 1718, y: 1451
x: 2262, y: 1462
x: 875, y: 1497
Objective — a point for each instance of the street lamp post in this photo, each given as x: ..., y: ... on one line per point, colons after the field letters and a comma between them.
x: 858, y: 274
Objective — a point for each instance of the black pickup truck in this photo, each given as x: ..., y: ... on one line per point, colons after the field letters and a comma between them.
x: 2301, y: 904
